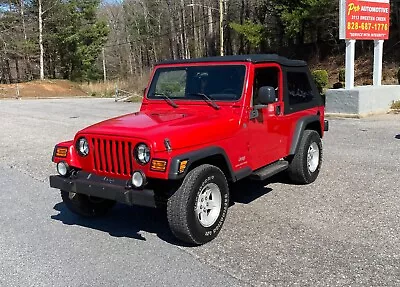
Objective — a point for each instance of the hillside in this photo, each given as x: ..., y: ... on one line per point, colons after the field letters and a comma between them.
x: 363, y: 70
x: 42, y: 89
x: 64, y: 88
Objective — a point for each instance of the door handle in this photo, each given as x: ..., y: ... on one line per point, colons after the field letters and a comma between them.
x: 278, y: 110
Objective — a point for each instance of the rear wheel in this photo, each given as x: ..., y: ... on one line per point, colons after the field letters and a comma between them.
x: 87, y: 206
x: 197, y: 210
x: 306, y: 164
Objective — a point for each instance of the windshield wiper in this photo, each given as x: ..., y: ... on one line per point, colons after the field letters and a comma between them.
x: 168, y: 99
x: 207, y: 98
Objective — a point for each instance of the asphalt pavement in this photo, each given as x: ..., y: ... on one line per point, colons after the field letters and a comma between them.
x: 343, y: 230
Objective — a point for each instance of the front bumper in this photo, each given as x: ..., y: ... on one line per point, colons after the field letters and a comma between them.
x: 104, y: 187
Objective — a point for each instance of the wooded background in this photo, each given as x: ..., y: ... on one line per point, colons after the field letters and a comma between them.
x: 72, y: 39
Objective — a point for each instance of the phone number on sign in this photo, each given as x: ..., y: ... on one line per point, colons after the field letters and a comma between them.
x: 367, y: 26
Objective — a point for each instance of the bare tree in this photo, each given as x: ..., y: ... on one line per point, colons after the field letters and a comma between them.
x: 184, y: 40
x: 40, y: 16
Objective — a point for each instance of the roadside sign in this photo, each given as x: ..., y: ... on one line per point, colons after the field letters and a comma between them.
x: 364, y: 19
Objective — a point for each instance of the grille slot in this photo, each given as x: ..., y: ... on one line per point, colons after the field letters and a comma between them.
x: 112, y: 156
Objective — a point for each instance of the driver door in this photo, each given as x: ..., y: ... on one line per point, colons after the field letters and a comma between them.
x: 266, y: 138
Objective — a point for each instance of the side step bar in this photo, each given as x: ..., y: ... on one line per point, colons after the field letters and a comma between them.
x: 269, y: 170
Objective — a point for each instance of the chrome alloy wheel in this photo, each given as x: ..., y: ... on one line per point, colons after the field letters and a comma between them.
x: 313, y: 157
x: 208, y: 205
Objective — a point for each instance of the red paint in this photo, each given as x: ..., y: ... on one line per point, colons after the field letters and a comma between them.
x: 192, y: 126
x: 367, y: 20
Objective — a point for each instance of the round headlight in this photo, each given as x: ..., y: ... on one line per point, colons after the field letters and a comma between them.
x: 142, y: 153
x: 83, y: 147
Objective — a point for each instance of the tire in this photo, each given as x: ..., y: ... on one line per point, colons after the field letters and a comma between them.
x: 190, y: 218
x: 86, y: 206
x: 302, y: 169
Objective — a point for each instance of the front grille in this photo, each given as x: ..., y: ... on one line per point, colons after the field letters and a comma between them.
x: 112, y: 156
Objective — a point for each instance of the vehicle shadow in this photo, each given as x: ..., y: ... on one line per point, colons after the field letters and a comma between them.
x: 121, y: 221
x: 247, y: 191
x: 129, y: 222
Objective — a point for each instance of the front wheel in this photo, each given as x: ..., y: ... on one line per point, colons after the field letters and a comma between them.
x: 306, y: 164
x: 197, y: 210
x: 87, y: 206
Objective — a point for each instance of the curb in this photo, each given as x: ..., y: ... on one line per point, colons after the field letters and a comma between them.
x: 342, y: 116
x: 361, y: 116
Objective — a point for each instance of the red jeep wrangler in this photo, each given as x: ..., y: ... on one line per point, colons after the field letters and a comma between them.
x: 203, y: 125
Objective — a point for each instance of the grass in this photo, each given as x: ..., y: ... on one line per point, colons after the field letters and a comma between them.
x: 396, y: 105
x: 131, y: 86
x: 99, y: 89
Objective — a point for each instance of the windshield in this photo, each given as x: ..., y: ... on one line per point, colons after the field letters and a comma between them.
x: 219, y: 83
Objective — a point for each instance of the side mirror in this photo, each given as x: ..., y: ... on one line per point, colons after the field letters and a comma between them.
x: 266, y: 95
x: 144, y: 92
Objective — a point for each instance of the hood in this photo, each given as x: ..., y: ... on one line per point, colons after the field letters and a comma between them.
x: 183, y: 127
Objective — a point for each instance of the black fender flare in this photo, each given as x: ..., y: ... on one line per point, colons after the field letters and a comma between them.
x: 195, y: 156
x: 299, y: 130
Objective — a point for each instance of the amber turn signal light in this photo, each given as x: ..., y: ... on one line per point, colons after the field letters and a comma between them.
x: 158, y: 165
x: 182, y: 166
x: 61, y: 152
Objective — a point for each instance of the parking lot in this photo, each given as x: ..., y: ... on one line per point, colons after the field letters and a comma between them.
x: 342, y: 230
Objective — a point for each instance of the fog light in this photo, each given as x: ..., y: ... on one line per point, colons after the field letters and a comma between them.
x: 138, y: 179
x: 62, y: 168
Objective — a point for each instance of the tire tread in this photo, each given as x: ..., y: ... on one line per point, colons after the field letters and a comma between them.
x: 298, y: 166
x: 177, y: 213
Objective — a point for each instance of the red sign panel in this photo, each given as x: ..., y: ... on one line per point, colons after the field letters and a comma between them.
x: 367, y: 19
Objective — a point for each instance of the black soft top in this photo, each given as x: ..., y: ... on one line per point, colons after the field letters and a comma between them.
x: 256, y: 58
